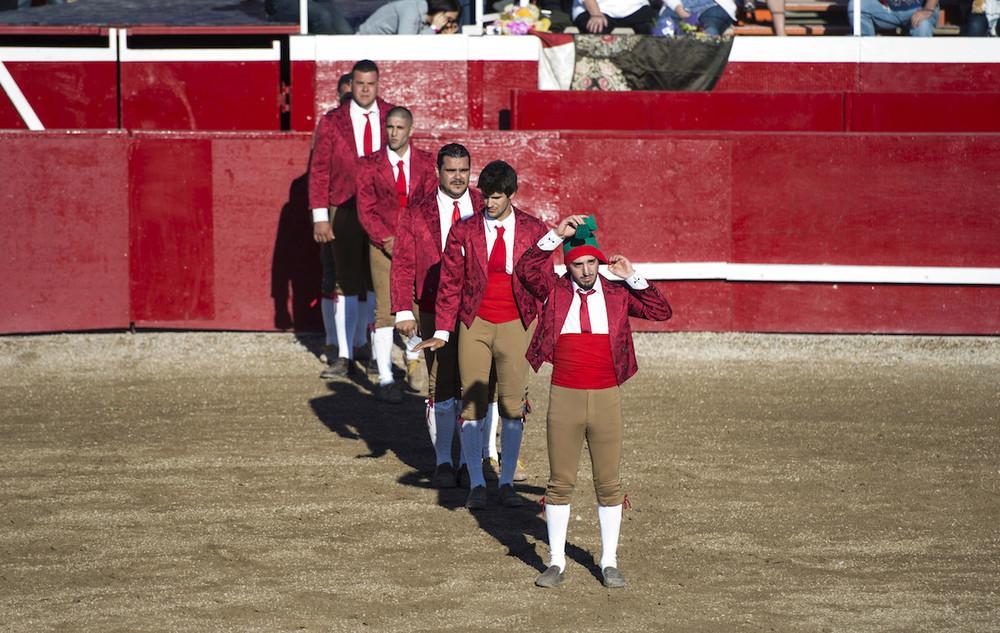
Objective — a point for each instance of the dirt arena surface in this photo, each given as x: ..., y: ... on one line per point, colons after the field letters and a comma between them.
x: 212, y: 482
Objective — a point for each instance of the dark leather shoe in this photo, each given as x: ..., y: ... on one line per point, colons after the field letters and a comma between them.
x: 509, y: 498
x: 612, y: 578
x: 463, y: 477
x: 551, y: 577
x: 337, y: 368
x: 444, y: 476
x: 477, y: 498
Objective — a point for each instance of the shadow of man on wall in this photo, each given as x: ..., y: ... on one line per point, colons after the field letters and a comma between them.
x: 296, y: 272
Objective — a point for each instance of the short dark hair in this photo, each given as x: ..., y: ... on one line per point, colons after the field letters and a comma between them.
x: 452, y: 150
x: 364, y: 66
x: 497, y: 177
x: 439, y: 6
x: 401, y: 111
x: 345, y: 80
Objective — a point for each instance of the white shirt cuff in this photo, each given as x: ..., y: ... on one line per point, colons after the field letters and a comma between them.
x: 444, y: 335
x: 636, y: 282
x: 321, y: 215
x: 404, y: 315
x: 550, y: 241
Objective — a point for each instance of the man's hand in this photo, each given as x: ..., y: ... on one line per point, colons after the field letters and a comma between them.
x: 387, y: 245
x: 567, y: 226
x: 433, y: 344
x: 407, y: 328
x: 920, y: 16
x: 619, y: 266
x: 597, y: 23
x: 682, y: 13
x: 323, y: 232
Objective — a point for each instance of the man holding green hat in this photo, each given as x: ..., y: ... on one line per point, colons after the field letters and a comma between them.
x: 584, y: 331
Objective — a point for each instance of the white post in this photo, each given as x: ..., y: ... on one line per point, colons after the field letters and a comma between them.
x: 479, y: 14
x: 857, y: 18
x: 303, y: 16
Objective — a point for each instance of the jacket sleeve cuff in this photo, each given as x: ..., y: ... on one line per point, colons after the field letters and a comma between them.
x: 321, y: 215
x: 550, y: 241
x: 636, y: 282
x: 404, y: 315
x: 444, y: 335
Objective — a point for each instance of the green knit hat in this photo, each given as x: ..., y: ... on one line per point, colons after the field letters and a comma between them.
x: 583, y: 243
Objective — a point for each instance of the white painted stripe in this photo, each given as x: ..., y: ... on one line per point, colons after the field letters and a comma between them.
x: 893, y: 50
x: 816, y: 273
x: 271, y: 54
x: 511, y: 49
x: 456, y: 47
x: 16, y: 97
x: 795, y: 49
x: 302, y: 48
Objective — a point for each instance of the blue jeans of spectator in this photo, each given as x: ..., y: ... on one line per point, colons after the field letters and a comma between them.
x: 712, y: 18
x: 875, y: 14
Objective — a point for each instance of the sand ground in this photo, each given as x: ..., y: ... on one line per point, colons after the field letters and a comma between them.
x: 211, y: 482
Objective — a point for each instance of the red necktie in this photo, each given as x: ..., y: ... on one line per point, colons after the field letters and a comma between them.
x: 456, y: 214
x: 368, y: 134
x: 401, y: 184
x: 498, y: 256
x: 584, y: 311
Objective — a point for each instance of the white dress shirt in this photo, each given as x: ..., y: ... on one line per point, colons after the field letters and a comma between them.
x: 597, y: 309
x: 322, y: 214
x: 394, y: 159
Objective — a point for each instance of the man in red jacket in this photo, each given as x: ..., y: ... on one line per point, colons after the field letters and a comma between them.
x: 496, y: 316
x: 584, y: 332
x: 387, y: 180
x: 416, y: 273
x: 342, y: 136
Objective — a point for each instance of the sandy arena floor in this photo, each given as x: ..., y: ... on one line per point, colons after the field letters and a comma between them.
x: 212, y: 482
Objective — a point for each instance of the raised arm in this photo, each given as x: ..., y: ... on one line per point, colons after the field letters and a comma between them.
x: 644, y: 300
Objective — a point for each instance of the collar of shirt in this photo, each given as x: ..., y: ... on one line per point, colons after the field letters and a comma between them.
x: 446, y: 203
x: 359, y: 113
x: 507, y: 223
x: 394, y: 158
x: 598, y: 288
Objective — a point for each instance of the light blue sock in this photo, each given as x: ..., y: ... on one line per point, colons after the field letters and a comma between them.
x: 510, y: 447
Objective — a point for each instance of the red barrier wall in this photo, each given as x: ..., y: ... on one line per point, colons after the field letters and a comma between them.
x: 219, y: 234
x: 65, y: 95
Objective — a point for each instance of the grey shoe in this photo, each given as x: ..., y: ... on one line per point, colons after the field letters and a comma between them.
x: 444, y: 476
x: 551, y: 577
x: 336, y: 369
x: 477, y: 498
x: 391, y: 393
x: 612, y: 578
x: 509, y: 497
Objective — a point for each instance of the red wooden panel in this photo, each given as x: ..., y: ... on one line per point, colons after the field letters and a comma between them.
x: 489, y: 89
x: 64, y: 246
x: 866, y: 200
x: 65, y: 95
x: 303, y: 97
x: 925, y: 112
x: 789, y: 77
x: 171, y: 231
x: 327, y: 74
x: 860, y: 308
x: 586, y: 110
x: 200, y: 95
x: 698, y: 306
x: 929, y: 77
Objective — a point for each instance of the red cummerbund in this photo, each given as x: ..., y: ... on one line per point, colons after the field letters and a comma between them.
x: 498, y: 304
x: 583, y: 361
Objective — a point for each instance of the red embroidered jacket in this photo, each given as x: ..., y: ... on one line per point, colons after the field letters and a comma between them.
x: 416, y: 255
x: 463, y: 270
x: 534, y: 269
x: 333, y: 164
x: 377, y: 199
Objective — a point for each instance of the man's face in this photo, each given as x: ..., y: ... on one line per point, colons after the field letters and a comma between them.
x: 453, y: 175
x: 364, y: 88
x: 397, y: 132
x: 498, y: 205
x: 583, y: 270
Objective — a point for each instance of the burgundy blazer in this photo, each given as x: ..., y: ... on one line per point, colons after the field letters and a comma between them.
x: 416, y: 255
x: 333, y: 165
x: 377, y: 200
x: 535, y: 271
x: 463, y: 277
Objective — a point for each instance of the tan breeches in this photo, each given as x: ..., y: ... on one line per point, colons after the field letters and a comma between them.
x: 380, y: 263
x: 575, y: 414
x: 487, y: 345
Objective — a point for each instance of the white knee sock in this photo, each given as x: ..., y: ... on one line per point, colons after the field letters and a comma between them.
x: 557, y: 522
x: 443, y: 435
x: 365, y: 319
x: 490, y: 433
x: 328, y: 308
x: 382, y: 349
x: 510, y: 441
x: 611, y: 523
x: 472, y: 448
x: 346, y: 315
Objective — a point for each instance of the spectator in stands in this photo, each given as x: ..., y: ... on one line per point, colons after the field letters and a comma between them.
x: 412, y: 17
x: 777, y: 9
x: 980, y: 18
x: 603, y: 16
x: 324, y: 17
x: 714, y: 17
x: 918, y: 17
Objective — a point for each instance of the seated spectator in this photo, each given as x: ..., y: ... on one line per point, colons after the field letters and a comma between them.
x: 412, y: 17
x: 603, y: 16
x: 324, y: 17
x: 980, y: 18
x: 918, y: 17
x: 714, y: 17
